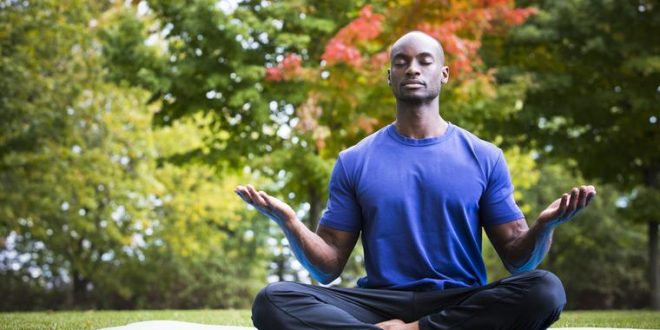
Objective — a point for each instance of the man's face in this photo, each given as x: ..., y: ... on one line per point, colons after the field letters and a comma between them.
x: 417, y: 68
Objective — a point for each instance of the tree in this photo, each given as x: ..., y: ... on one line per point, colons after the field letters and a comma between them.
x: 214, y: 63
x: 50, y: 205
x: 594, y: 70
x: 88, y: 215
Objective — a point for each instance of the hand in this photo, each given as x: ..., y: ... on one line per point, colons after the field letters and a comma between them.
x: 267, y: 205
x: 566, y: 207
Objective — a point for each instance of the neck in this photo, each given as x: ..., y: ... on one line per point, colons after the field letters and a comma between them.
x: 419, y: 120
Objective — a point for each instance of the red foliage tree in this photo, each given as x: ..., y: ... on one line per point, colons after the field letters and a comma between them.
x: 343, y: 46
x: 289, y: 68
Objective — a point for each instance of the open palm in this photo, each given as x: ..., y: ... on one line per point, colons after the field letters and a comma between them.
x: 565, y: 208
x: 267, y: 205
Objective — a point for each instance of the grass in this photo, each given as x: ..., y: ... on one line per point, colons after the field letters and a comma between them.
x: 612, y: 319
x: 99, y: 319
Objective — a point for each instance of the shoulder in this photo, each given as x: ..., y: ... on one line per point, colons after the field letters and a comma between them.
x: 364, y: 146
x: 482, y: 149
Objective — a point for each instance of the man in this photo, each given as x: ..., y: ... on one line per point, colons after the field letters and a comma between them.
x: 419, y: 190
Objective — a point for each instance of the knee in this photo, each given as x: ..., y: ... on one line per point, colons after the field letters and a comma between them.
x: 547, y: 293
x: 265, y: 305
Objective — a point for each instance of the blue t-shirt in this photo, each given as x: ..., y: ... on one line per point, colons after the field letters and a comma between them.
x: 421, y: 204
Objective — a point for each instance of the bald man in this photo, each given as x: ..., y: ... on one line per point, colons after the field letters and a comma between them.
x: 419, y: 190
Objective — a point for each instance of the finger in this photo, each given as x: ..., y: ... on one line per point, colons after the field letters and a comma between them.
x: 563, y: 205
x: 255, y: 196
x: 249, y: 190
x: 268, y: 198
x: 238, y: 190
x: 248, y: 193
x: 590, y: 194
x: 572, y: 205
x: 264, y: 196
x: 582, y: 197
x: 260, y: 200
x: 242, y: 193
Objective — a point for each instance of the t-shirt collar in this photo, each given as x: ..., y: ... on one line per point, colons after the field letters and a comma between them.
x: 392, y: 131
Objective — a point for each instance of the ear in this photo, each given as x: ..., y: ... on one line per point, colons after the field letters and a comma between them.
x: 445, y: 75
x: 389, y: 78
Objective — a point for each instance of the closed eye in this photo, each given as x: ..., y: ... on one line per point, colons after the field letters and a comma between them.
x: 426, y: 60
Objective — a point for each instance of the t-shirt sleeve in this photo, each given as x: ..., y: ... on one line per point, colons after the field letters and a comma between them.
x: 497, y: 205
x: 343, y: 211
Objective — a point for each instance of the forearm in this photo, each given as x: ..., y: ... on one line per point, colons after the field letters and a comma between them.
x: 521, y: 248
x: 323, y: 253
x: 527, y: 251
x: 315, y: 254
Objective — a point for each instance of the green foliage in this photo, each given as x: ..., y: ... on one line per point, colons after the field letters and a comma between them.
x: 35, y: 75
x: 89, y: 214
x: 212, y: 61
x: 594, y: 87
x: 591, y: 101
x: 643, y: 205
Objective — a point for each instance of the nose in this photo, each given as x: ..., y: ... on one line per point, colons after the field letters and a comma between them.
x: 413, y: 69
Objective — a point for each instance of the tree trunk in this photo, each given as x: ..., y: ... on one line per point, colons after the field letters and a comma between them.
x: 79, y: 290
x: 652, y: 178
x: 280, y: 261
x: 653, y: 265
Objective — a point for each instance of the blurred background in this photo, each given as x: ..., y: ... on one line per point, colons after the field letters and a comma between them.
x: 126, y: 125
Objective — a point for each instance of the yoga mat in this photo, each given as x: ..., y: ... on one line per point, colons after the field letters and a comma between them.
x: 175, y: 325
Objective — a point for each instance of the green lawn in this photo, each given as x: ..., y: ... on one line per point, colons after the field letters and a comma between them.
x: 99, y: 319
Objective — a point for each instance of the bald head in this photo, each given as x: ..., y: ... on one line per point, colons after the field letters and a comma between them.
x: 419, y: 40
x: 417, y: 68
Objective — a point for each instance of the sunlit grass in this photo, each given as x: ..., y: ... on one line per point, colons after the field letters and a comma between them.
x: 100, y: 319
x: 612, y: 319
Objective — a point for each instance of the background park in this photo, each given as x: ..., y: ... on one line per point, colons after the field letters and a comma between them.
x: 126, y: 125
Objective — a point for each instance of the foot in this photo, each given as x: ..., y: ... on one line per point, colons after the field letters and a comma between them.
x: 397, y: 324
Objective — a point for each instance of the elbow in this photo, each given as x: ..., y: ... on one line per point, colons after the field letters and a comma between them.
x: 326, y: 274
x: 324, y: 279
x: 517, y: 269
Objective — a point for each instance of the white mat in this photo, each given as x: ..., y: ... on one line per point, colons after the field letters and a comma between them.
x: 175, y: 325
x: 178, y: 325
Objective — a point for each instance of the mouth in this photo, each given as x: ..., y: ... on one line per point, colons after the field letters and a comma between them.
x: 413, y: 84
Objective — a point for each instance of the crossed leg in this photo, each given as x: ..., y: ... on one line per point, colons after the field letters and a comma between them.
x: 531, y: 300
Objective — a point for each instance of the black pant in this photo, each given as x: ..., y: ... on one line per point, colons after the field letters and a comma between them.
x: 531, y: 300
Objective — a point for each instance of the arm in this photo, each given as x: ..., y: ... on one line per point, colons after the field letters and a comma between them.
x: 521, y: 248
x: 323, y: 254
